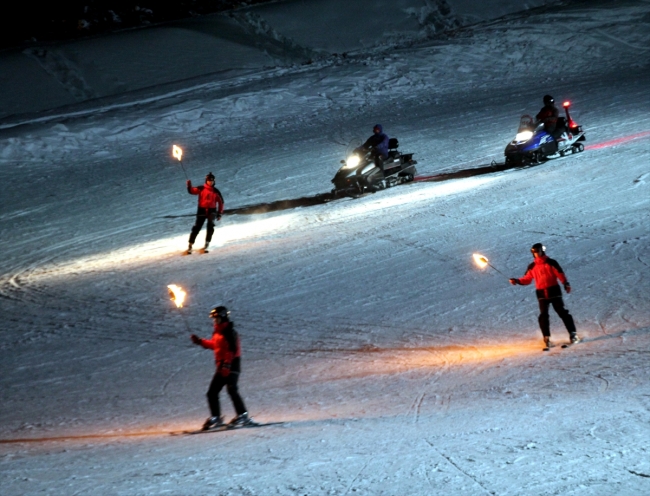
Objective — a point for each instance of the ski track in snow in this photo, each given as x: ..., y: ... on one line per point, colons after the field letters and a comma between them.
x: 395, y: 365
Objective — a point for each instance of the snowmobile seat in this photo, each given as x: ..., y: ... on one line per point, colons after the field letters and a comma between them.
x: 560, y: 127
x: 393, y: 144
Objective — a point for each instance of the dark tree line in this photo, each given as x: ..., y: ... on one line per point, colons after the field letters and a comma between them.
x: 52, y: 21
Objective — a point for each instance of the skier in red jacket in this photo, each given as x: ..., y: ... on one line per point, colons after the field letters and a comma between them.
x: 210, y: 207
x: 547, y: 272
x: 227, y: 356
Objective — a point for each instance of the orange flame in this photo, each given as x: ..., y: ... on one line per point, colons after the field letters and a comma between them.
x: 177, y: 151
x: 480, y: 260
x: 177, y: 295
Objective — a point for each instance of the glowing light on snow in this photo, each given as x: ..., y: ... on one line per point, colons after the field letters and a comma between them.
x: 239, y: 232
x: 618, y: 141
x: 480, y: 260
x: 177, y: 295
x: 177, y: 151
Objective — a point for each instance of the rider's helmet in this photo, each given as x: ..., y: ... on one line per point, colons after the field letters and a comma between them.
x: 209, y: 177
x: 221, y: 312
x: 538, y: 249
x: 377, y: 129
x: 548, y: 100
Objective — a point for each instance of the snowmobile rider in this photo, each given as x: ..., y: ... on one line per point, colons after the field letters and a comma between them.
x: 210, y: 207
x: 546, y: 273
x: 378, y: 144
x: 548, y: 115
x: 227, y: 356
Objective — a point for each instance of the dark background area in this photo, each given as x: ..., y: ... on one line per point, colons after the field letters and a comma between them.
x: 43, y: 22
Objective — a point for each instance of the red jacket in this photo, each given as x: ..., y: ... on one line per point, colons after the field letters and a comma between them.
x: 209, y: 196
x: 225, y: 360
x: 546, y: 273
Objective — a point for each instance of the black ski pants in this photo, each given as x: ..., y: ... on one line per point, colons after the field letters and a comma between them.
x: 217, y: 384
x: 202, y: 215
x: 558, y: 306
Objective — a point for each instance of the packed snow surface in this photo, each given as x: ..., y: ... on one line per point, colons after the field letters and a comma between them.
x: 383, y: 359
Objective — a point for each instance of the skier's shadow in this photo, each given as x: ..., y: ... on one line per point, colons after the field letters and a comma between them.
x: 321, y: 198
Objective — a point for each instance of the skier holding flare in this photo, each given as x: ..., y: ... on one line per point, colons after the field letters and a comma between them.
x: 227, y: 355
x: 547, y: 272
x: 210, y: 208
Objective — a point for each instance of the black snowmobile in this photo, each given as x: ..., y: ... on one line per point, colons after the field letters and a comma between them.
x: 359, y: 174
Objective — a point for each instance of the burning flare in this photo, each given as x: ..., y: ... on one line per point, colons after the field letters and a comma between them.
x: 177, y: 295
x: 480, y: 260
x: 177, y: 151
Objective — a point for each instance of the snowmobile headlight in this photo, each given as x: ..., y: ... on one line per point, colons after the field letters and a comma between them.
x: 523, y: 136
x: 353, y: 161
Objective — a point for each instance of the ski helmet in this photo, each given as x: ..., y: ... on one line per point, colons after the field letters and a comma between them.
x: 209, y: 177
x: 548, y: 100
x: 378, y: 128
x: 219, y: 311
x: 538, y: 248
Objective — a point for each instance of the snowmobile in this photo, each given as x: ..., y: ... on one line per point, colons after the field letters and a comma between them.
x: 359, y: 173
x: 533, y: 144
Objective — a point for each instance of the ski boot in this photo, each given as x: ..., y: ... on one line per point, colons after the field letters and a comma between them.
x: 241, y: 420
x: 189, y: 249
x: 547, y: 343
x: 205, y: 248
x: 212, y: 422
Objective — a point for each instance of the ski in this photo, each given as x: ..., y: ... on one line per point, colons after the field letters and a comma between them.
x: 201, y: 251
x: 225, y: 428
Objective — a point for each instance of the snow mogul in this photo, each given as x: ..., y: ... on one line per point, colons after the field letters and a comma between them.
x: 547, y: 136
x: 227, y: 355
x: 375, y: 165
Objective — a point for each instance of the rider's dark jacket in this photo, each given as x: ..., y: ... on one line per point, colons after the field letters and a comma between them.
x: 548, y: 115
x: 378, y: 141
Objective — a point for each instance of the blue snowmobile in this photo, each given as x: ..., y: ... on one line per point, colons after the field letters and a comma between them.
x: 533, y: 144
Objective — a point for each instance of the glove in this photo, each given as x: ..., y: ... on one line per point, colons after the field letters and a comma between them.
x: 218, y: 216
x: 195, y: 339
x: 513, y: 281
x: 567, y: 287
